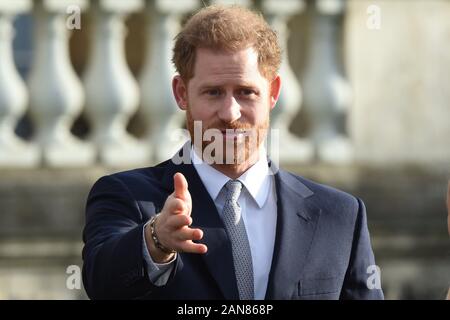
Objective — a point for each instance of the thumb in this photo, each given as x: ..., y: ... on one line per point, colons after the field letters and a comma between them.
x: 180, y: 186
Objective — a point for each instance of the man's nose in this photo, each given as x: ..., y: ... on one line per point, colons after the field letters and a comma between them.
x: 230, y: 110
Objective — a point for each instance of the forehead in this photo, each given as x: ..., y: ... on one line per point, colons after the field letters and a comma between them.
x: 219, y: 66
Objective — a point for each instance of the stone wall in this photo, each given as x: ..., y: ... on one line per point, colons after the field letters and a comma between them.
x: 401, y: 83
x: 42, y: 216
x: 399, y: 124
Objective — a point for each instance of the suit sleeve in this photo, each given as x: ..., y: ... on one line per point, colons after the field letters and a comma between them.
x: 158, y: 273
x: 113, y: 262
x: 360, y: 282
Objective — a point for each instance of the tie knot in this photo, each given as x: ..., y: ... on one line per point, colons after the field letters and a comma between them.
x: 234, y: 188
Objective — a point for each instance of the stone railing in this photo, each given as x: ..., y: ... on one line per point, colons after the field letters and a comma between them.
x: 42, y: 207
x: 108, y: 94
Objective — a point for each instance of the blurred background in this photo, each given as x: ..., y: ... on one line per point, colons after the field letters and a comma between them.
x: 85, y: 91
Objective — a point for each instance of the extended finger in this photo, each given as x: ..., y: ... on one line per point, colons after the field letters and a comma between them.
x: 187, y: 233
x: 178, y: 221
x: 180, y: 186
x: 191, y: 247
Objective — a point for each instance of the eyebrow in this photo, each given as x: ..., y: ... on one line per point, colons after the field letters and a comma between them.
x: 218, y: 85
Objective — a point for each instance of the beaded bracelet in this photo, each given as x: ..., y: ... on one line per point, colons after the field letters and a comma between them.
x: 155, y: 238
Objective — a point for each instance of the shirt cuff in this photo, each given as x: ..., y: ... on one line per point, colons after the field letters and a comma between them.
x: 158, y: 273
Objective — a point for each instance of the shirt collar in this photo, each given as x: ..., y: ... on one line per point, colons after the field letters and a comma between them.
x: 256, y: 179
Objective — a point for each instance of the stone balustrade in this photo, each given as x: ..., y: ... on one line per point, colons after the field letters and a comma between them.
x: 108, y: 94
x: 396, y: 112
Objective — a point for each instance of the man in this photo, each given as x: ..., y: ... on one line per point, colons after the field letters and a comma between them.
x: 224, y: 223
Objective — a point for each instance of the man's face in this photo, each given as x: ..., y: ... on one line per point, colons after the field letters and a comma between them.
x: 228, y: 93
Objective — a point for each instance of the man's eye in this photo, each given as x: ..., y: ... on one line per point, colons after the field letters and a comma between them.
x: 246, y: 92
x: 213, y: 92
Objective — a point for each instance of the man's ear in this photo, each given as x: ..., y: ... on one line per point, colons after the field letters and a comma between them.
x: 179, y: 89
x: 275, y: 88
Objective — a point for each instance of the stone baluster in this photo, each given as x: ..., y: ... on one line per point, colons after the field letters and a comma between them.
x: 112, y: 94
x: 14, y: 152
x: 56, y: 94
x: 242, y: 3
x: 291, y: 148
x: 161, y: 112
x: 327, y: 92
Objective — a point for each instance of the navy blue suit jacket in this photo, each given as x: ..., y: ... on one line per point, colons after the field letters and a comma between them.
x: 322, y: 246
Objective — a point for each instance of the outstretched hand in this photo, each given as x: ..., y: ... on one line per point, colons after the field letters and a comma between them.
x: 173, y: 224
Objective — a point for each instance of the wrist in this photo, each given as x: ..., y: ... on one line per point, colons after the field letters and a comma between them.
x: 157, y: 254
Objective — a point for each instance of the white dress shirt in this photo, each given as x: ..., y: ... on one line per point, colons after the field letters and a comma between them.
x: 258, y: 202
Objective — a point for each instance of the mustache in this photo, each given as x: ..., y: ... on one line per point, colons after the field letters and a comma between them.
x: 236, y: 125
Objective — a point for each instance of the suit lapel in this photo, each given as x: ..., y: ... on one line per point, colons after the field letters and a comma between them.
x: 296, y: 224
x: 297, y: 218
x: 218, y: 259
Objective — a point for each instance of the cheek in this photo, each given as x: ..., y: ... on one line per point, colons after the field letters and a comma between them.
x: 199, y: 111
x: 262, y: 113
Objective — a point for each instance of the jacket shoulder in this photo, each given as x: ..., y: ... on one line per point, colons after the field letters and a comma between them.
x: 140, y: 183
x: 326, y: 196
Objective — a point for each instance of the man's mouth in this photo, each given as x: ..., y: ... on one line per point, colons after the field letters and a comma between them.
x: 232, y: 134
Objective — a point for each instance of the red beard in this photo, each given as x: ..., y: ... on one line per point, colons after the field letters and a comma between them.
x: 231, y: 152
